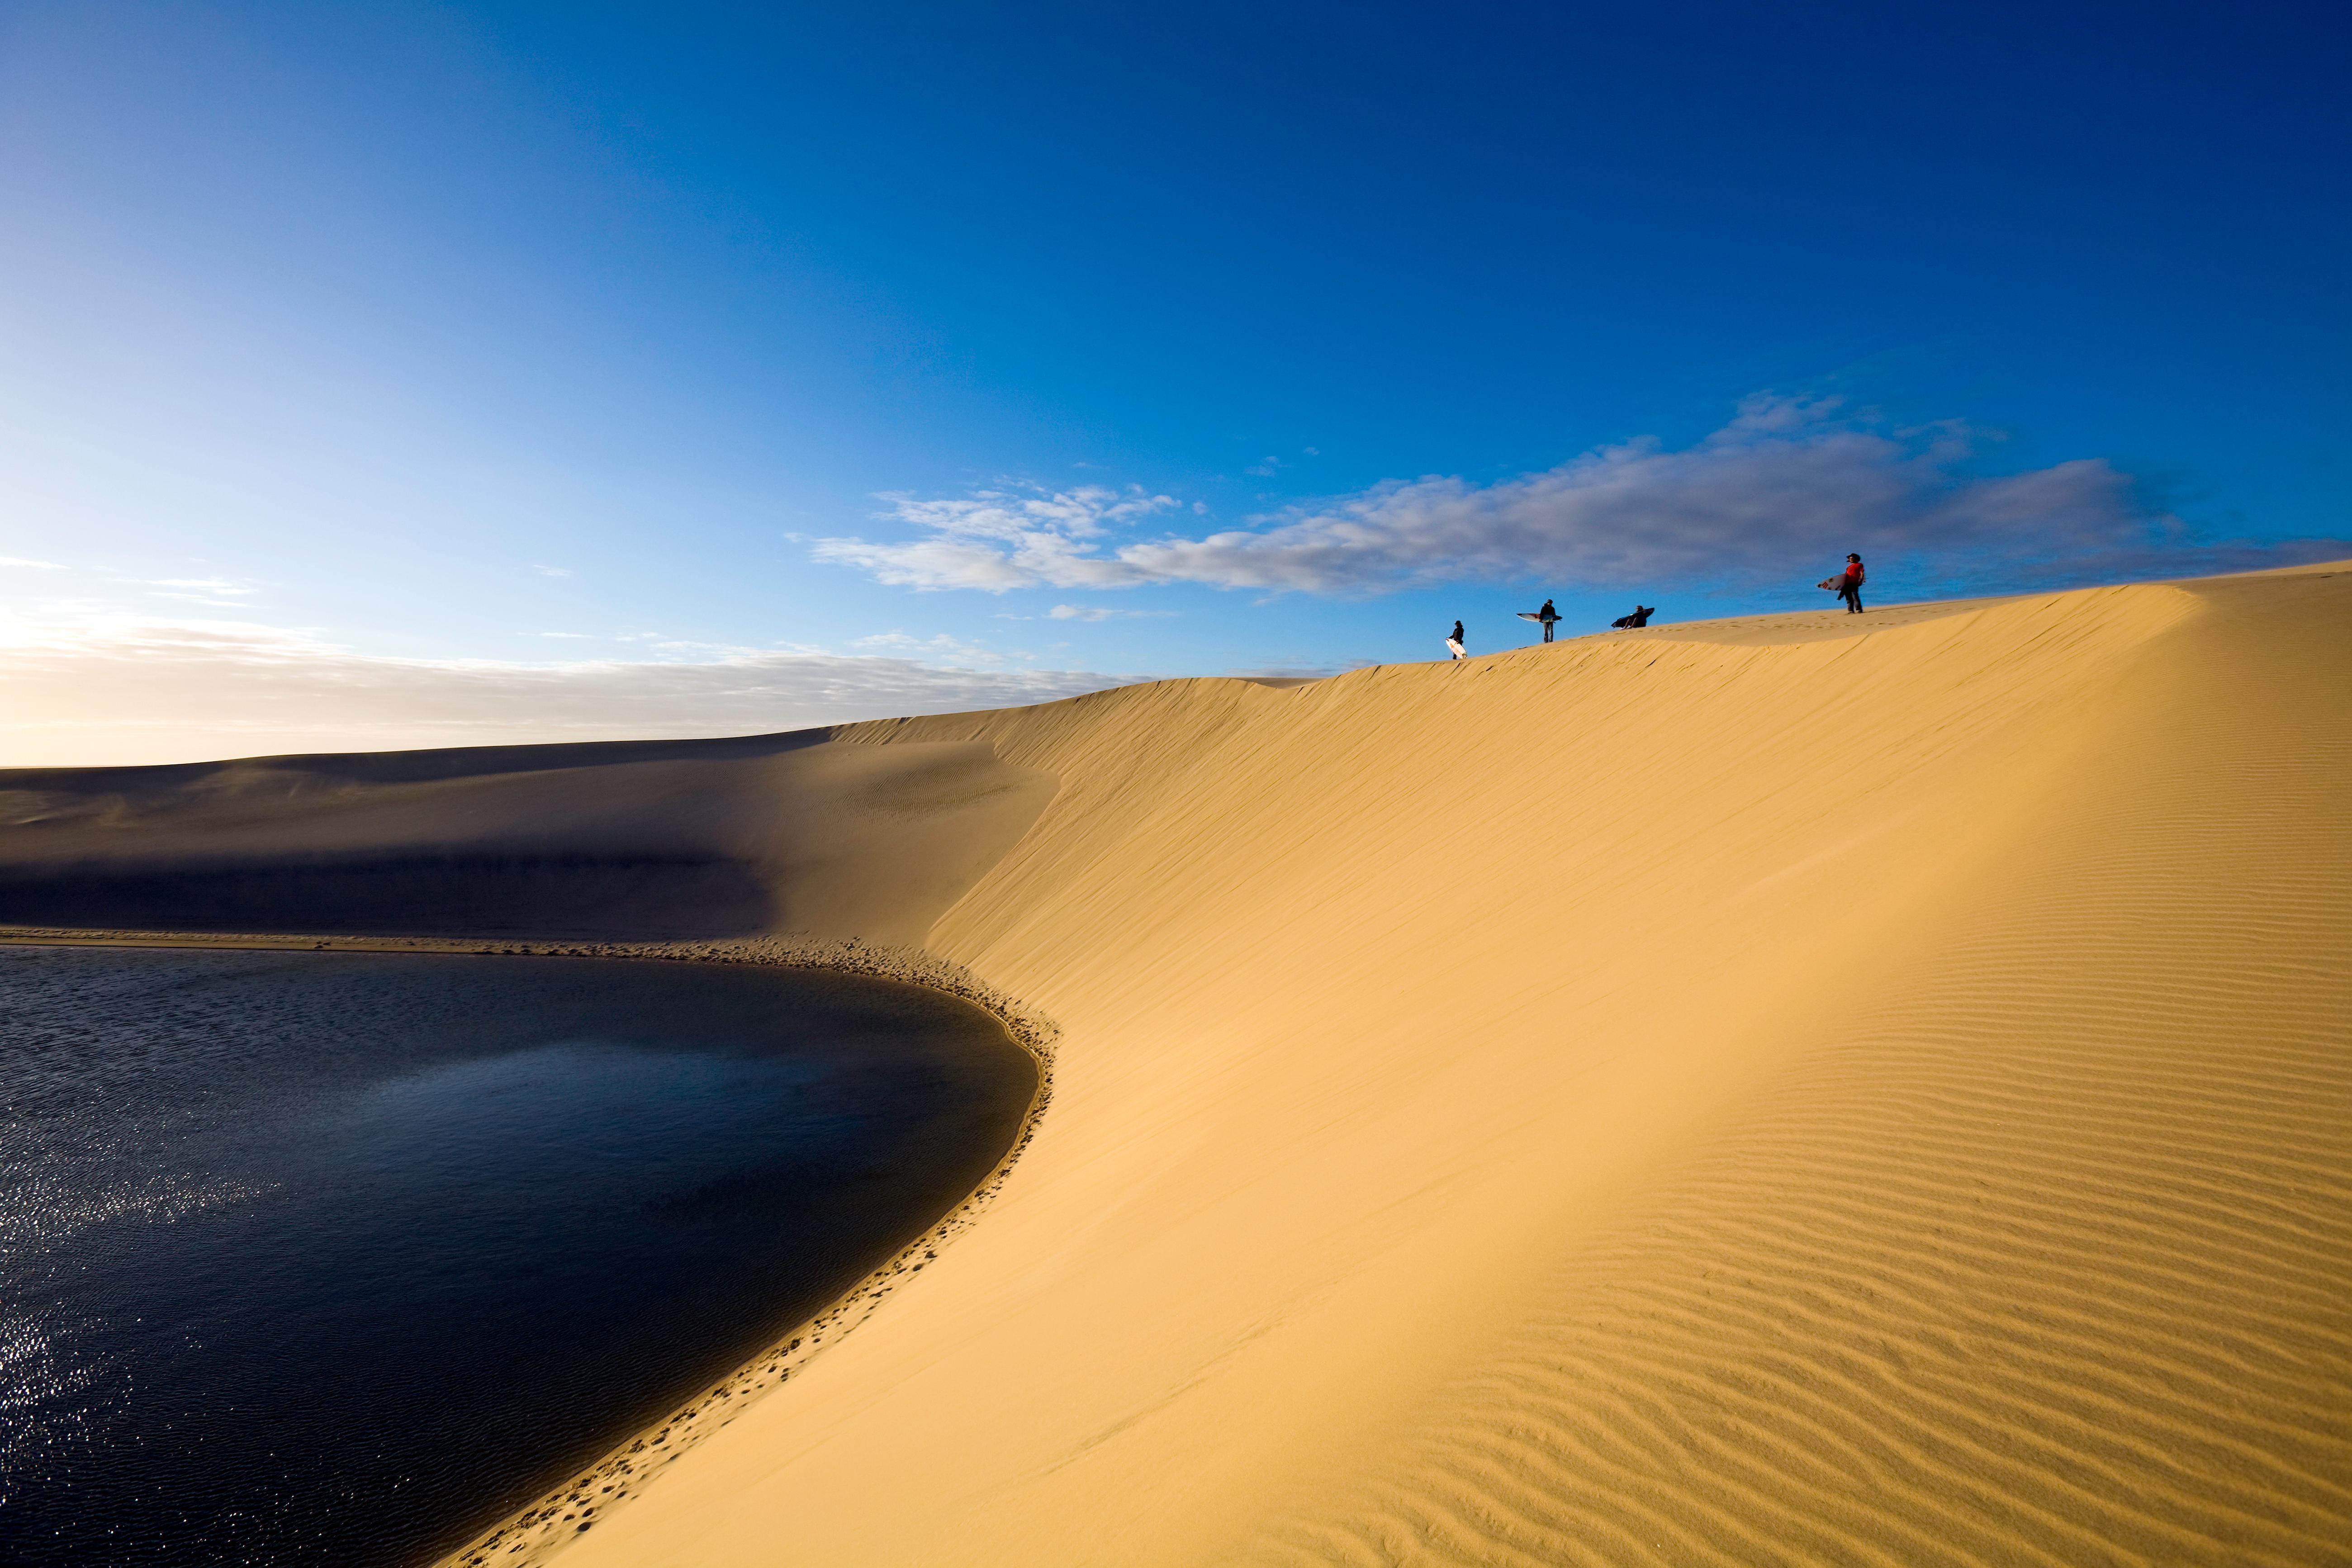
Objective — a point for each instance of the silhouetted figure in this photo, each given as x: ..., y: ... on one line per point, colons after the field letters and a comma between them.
x: 1453, y: 642
x: 1640, y: 617
x: 1547, y: 615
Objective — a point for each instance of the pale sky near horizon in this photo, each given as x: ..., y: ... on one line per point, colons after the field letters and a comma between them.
x: 398, y: 374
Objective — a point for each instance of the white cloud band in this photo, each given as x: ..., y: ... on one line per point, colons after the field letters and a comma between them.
x: 133, y: 689
x: 1785, y: 485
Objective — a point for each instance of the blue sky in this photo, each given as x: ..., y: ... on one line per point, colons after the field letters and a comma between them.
x: 419, y: 373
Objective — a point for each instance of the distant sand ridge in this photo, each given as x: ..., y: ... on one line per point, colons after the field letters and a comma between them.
x: 1808, y: 1091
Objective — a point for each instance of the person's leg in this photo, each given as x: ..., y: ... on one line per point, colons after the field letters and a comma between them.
x: 1547, y: 631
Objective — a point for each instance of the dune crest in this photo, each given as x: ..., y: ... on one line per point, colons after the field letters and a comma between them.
x: 1846, y: 1092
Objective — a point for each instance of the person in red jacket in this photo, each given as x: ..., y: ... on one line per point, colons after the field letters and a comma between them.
x: 1850, y: 585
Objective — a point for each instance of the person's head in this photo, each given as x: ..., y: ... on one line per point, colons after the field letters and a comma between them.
x: 1854, y: 558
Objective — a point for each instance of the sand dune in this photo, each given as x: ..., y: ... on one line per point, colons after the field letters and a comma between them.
x: 1802, y: 1091
x: 635, y: 841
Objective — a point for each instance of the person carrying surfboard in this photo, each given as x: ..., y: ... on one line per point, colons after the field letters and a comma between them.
x: 1453, y: 642
x: 1849, y: 584
x: 1547, y: 615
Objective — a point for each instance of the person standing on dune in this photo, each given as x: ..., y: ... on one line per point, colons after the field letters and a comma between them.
x: 1850, y: 585
x: 1453, y: 642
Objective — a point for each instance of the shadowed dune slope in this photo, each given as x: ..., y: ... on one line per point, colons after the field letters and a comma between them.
x: 1879, y: 1095
x: 1807, y: 1091
x: 645, y: 840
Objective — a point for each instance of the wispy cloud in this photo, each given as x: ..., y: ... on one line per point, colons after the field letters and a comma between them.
x: 130, y: 689
x: 27, y: 564
x: 1098, y: 613
x: 939, y: 646
x: 1009, y: 537
x: 552, y: 571
x: 217, y: 593
x: 1785, y: 485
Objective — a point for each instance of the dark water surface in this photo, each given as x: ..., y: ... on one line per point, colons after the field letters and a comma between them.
x: 329, y: 1259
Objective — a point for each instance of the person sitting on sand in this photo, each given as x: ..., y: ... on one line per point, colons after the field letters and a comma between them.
x: 1849, y: 583
x: 1640, y: 617
x: 1453, y: 642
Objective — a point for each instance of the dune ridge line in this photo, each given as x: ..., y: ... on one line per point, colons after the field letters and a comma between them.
x: 1812, y: 1088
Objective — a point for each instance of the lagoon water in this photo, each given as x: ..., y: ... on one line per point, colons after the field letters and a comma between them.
x: 328, y: 1259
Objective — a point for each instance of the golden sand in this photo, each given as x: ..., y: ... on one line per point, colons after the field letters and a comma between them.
x: 1809, y: 1089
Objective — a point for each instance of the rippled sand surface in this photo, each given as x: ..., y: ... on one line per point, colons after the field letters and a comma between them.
x: 1817, y: 1090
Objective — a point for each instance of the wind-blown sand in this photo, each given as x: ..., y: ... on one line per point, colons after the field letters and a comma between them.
x: 1811, y: 1089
